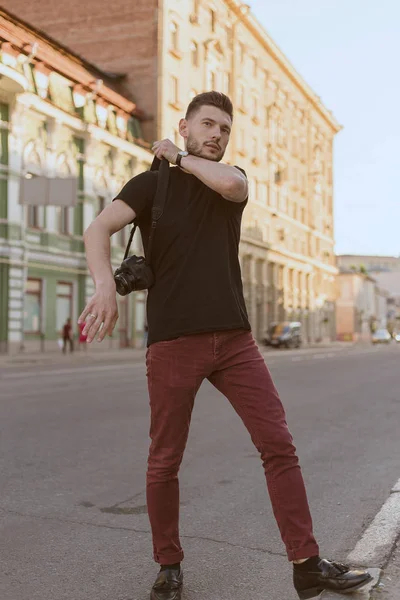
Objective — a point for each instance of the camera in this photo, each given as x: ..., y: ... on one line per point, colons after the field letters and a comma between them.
x: 133, y: 275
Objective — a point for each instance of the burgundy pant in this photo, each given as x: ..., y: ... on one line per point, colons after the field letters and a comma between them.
x: 231, y: 361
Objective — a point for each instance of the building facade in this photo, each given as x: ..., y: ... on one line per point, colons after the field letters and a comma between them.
x: 372, y: 264
x: 59, y: 117
x: 165, y: 53
x: 386, y: 272
x: 361, y: 306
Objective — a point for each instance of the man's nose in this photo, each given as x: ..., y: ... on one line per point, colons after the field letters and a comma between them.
x: 217, y: 134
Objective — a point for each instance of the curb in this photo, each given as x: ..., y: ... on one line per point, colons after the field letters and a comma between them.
x: 375, y: 546
x: 377, y: 542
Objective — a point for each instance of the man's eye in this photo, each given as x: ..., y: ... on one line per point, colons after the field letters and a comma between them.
x: 207, y: 123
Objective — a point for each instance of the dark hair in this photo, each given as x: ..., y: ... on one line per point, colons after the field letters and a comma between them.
x: 217, y: 99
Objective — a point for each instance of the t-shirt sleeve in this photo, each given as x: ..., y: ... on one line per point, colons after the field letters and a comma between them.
x: 242, y: 204
x: 139, y: 192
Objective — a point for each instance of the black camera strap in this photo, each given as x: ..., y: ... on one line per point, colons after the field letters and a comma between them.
x: 158, y: 205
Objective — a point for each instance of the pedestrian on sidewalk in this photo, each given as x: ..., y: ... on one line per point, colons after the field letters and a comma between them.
x: 199, y: 329
x: 82, y: 337
x: 67, y: 336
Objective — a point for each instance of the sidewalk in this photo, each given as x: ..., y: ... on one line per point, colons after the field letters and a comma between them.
x: 389, y: 585
x: 95, y: 353
x: 111, y: 353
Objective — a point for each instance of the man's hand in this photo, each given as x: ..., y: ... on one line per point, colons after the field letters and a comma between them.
x: 101, y: 313
x: 166, y: 149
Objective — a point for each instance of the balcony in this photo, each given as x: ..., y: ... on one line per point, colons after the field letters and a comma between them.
x: 12, y: 81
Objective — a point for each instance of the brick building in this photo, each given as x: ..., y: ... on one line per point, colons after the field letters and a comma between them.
x: 162, y: 53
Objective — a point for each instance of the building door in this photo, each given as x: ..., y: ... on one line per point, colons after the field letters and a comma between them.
x: 32, y: 308
x: 64, y: 304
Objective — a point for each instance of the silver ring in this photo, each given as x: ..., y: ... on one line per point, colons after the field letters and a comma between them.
x: 92, y: 315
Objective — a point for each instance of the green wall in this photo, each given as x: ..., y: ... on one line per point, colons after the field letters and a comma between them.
x: 4, y: 291
x: 4, y: 268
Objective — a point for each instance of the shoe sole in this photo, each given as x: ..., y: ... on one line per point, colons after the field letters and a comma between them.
x: 314, y: 592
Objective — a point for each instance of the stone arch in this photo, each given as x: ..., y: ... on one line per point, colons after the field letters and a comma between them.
x: 66, y: 164
x: 32, y: 159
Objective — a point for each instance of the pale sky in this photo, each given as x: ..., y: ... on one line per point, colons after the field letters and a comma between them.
x: 348, y: 51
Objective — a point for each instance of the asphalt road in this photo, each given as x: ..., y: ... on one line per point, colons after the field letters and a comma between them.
x: 73, y: 449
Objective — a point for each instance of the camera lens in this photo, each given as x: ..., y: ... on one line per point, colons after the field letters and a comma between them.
x: 122, y: 285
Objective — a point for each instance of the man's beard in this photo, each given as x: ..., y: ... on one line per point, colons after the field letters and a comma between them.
x: 196, y: 149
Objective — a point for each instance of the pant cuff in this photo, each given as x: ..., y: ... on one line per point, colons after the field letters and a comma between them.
x: 305, y: 552
x: 169, y: 559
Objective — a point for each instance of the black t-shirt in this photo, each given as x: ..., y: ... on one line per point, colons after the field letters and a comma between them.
x: 198, y: 285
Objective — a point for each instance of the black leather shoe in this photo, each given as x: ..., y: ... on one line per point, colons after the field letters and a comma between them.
x: 328, y: 576
x: 168, y: 585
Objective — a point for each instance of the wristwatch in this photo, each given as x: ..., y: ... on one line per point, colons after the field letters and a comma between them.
x: 181, y: 154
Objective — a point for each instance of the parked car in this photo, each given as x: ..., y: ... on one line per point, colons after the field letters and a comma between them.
x: 287, y: 334
x: 381, y: 336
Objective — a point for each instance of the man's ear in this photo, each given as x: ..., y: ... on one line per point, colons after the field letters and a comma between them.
x: 183, y: 128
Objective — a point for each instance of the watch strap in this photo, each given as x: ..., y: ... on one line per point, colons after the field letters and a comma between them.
x: 179, y: 157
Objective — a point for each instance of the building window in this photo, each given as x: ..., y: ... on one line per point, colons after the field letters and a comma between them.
x: 303, y: 215
x: 174, y: 90
x: 279, y: 176
x: 303, y: 149
x: 32, y: 306
x: 35, y: 216
x: 242, y: 142
x: 101, y: 204
x: 303, y: 182
x: 227, y: 83
x: 254, y: 149
x: 255, y: 67
x: 263, y: 194
x: 266, y: 116
x: 273, y: 129
x: 122, y: 237
x: 64, y: 304
x: 295, y: 143
x: 265, y: 155
x: 241, y: 97
x: 213, y: 20
x: 194, y: 49
x: 252, y: 189
x: 283, y: 203
x: 64, y: 220
x: 242, y: 53
x: 211, y: 80
x: 192, y: 94
x: 272, y: 196
x: 255, y: 107
x: 174, y: 35
x: 282, y: 134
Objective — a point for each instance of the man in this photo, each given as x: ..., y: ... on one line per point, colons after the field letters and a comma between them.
x: 198, y: 328
x: 67, y: 336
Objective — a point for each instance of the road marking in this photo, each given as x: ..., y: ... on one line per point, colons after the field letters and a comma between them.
x: 117, y: 367
x: 377, y: 541
x: 324, y: 355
